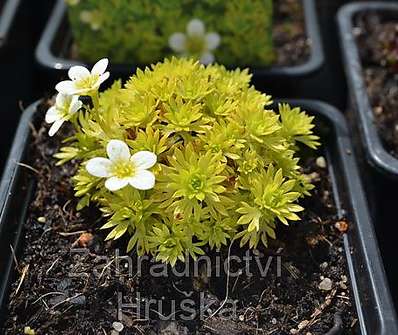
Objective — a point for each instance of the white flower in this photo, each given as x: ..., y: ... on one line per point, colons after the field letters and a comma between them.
x: 92, y: 18
x: 196, y: 42
x: 82, y: 80
x: 65, y: 107
x: 122, y: 168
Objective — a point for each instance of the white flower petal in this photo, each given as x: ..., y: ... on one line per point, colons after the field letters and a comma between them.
x: 61, y: 99
x: 117, y: 150
x: 78, y: 72
x: 144, y: 159
x: 115, y: 183
x: 103, y: 77
x: 177, y: 42
x: 55, y: 127
x: 66, y: 87
x: 143, y: 180
x: 100, y: 67
x: 195, y: 27
x: 100, y: 80
x: 74, y: 99
x: 52, y: 115
x: 75, y: 105
x: 212, y: 41
x: 207, y: 58
x: 99, y: 167
x: 85, y: 16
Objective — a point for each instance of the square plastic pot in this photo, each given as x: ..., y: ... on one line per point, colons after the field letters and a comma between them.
x: 375, y: 310
x: 16, y: 66
x: 378, y: 167
x: 376, y: 155
x: 7, y: 17
x: 291, y: 81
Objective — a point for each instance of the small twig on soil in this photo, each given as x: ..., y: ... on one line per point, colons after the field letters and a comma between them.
x: 66, y: 205
x: 227, y: 284
x: 47, y: 294
x: 343, y: 297
x: 45, y: 305
x: 261, y: 297
x: 236, y: 280
x: 65, y: 301
x: 328, y: 301
x: 14, y: 257
x: 294, y: 272
x: 73, y: 233
x: 140, y: 320
x: 52, y: 265
x: 28, y: 167
x: 66, y: 310
x: 45, y: 232
x: 353, y: 323
x: 250, y: 283
x: 320, y: 310
x: 24, y: 272
x: 105, y: 267
x: 327, y: 241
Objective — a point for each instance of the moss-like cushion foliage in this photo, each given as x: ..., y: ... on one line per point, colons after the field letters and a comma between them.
x: 226, y: 164
x: 138, y: 31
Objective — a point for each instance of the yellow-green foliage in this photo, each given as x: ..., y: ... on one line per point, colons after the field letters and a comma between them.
x: 227, y: 165
x: 137, y: 31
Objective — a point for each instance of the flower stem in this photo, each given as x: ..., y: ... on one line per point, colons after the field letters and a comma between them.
x: 95, y: 99
x: 74, y: 121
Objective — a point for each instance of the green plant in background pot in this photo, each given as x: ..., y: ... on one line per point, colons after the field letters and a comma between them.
x: 183, y: 156
x: 144, y: 32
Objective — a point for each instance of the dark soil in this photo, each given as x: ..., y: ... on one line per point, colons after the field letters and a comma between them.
x: 72, y: 282
x: 291, y: 43
x: 378, y: 46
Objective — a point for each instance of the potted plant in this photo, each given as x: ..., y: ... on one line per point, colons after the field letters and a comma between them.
x: 199, y: 168
x: 281, y: 39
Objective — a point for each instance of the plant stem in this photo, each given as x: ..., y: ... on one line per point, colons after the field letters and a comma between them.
x: 95, y: 99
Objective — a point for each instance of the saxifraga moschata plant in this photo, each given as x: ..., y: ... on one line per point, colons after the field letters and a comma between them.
x: 183, y: 156
x: 145, y: 32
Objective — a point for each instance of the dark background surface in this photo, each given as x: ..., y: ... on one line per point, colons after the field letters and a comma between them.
x: 21, y: 85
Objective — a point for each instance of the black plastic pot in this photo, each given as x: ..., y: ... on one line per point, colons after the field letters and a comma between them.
x: 379, y: 168
x: 373, y: 302
x: 16, y: 66
x: 7, y: 17
x: 292, y: 81
x: 332, y: 72
x: 372, y: 144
